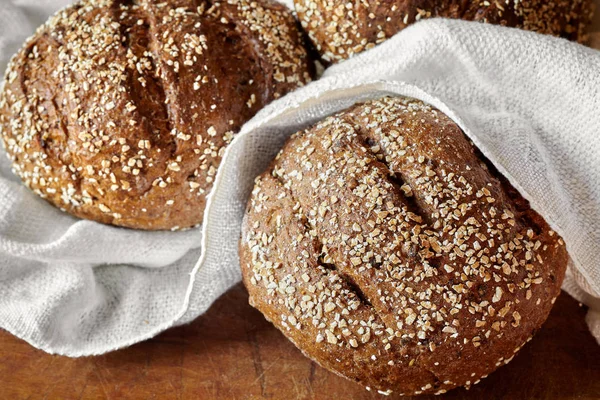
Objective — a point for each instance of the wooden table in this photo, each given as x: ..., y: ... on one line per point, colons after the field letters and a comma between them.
x: 233, y: 353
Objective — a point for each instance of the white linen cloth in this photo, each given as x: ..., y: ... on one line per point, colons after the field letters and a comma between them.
x: 529, y: 102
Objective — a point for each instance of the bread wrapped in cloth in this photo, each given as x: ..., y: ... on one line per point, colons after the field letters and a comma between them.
x: 383, y: 246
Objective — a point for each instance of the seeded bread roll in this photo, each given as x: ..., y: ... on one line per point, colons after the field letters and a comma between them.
x: 340, y: 29
x: 119, y: 111
x: 381, y: 244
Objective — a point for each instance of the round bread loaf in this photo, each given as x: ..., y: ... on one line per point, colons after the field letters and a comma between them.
x: 119, y: 111
x: 340, y: 29
x: 383, y: 246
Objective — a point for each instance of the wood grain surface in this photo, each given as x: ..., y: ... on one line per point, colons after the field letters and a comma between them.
x: 231, y: 352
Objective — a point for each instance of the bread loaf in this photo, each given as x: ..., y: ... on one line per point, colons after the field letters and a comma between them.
x: 119, y: 110
x: 340, y: 29
x: 383, y: 246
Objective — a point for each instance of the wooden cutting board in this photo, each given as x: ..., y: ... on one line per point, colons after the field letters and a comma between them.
x: 233, y: 353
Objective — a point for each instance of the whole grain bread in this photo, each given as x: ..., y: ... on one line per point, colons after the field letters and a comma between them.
x: 119, y: 110
x: 340, y: 29
x: 383, y: 246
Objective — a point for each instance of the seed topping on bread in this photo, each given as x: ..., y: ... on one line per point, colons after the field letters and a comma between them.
x: 140, y: 99
x: 379, y: 238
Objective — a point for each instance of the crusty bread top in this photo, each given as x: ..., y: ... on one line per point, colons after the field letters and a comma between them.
x: 119, y: 110
x: 382, y: 245
x: 340, y: 29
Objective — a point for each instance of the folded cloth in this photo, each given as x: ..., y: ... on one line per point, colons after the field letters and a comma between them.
x: 528, y: 101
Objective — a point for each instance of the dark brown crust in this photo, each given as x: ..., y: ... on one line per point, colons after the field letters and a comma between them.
x: 338, y: 32
x: 381, y: 244
x: 119, y: 110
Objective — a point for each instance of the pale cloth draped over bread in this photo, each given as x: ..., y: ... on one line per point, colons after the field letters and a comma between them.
x: 528, y: 101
